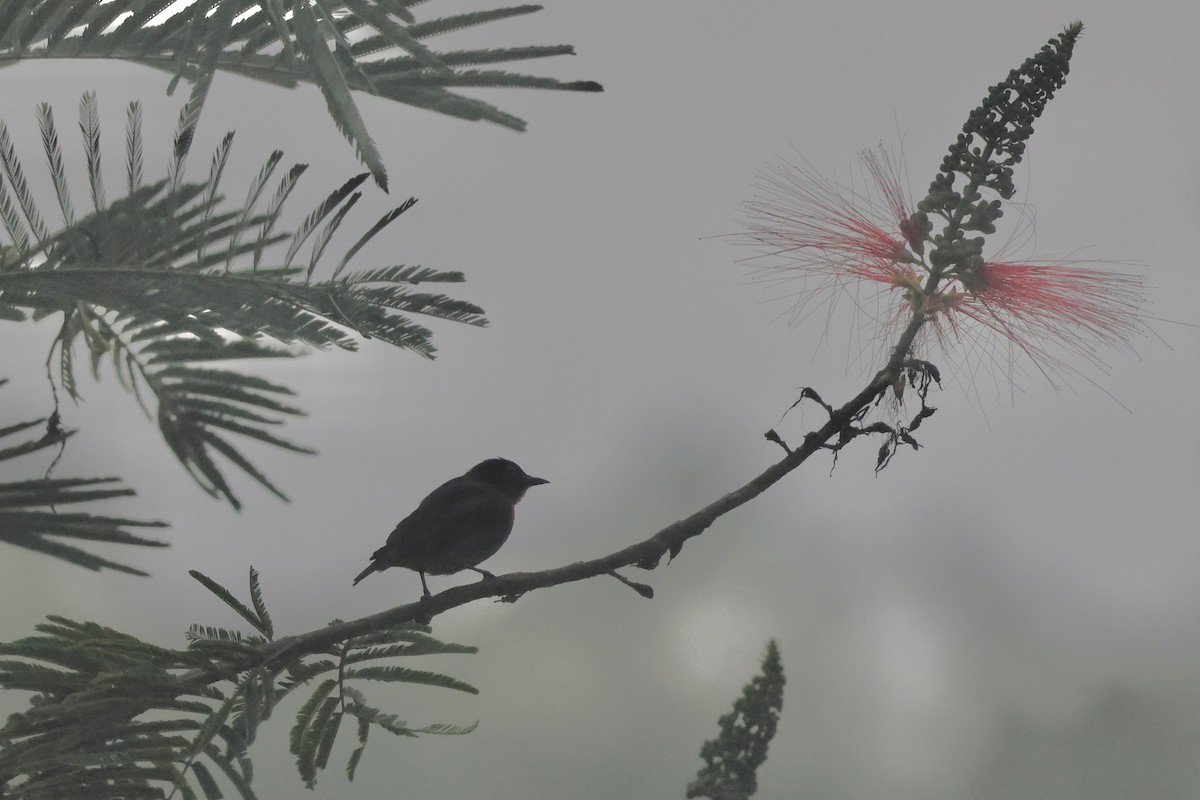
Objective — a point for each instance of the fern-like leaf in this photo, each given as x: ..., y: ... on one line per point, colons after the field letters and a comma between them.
x: 113, y: 711
x: 226, y: 596
x: 314, y: 218
x: 53, y: 150
x: 322, y: 240
x: 31, y: 514
x: 216, y: 170
x: 89, y: 126
x: 133, y: 147
x: 336, y: 90
x: 339, y: 45
x: 364, y: 732
x: 260, y: 607
x: 306, y: 733
x: 112, y: 715
x: 166, y: 286
x: 16, y: 178
x: 395, y: 674
x: 384, y: 221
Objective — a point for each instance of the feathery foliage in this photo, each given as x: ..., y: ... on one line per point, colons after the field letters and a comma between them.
x: 30, y: 514
x: 111, y: 715
x: 333, y: 700
x: 340, y: 46
x: 731, y: 761
x: 170, y: 283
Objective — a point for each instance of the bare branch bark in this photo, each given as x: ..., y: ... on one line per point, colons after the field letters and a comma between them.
x: 645, y: 554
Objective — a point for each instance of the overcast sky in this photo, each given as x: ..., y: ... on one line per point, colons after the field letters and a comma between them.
x: 1009, y: 613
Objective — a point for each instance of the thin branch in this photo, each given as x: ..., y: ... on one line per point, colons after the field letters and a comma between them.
x: 645, y: 554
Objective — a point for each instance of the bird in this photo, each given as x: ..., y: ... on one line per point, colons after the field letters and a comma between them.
x: 459, y: 525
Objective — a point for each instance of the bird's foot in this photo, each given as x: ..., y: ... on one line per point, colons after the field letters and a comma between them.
x: 487, y: 576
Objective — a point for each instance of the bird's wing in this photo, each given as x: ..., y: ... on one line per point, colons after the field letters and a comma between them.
x: 456, y: 506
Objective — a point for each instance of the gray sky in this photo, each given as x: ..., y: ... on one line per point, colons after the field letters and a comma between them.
x: 1009, y: 613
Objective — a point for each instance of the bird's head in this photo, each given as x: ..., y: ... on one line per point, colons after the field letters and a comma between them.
x: 505, y: 476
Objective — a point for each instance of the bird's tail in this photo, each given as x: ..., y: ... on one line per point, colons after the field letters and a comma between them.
x: 372, y: 567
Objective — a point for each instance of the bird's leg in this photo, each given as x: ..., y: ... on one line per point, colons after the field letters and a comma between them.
x: 486, y: 575
x: 424, y: 586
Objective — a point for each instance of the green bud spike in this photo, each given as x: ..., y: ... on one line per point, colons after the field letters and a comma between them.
x: 992, y: 142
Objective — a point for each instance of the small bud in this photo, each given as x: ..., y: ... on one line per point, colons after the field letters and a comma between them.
x: 915, y: 229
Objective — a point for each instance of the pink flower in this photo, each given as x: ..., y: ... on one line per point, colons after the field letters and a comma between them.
x: 807, y: 226
x: 1037, y: 306
x: 818, y: 225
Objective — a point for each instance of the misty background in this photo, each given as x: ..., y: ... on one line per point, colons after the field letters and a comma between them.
x: 1011, y: 612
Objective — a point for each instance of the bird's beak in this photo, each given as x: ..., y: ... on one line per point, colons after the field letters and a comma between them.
x: 532, y: 481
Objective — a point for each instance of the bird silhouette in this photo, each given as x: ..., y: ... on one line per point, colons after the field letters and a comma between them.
x: 460, y: 524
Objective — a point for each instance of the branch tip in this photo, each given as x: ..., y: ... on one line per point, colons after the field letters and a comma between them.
x: 772, y: 436
x: 641, y: 588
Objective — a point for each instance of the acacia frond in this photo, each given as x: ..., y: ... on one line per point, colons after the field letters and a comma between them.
x: 133, y: 147
x: 110, y: 716
x: 319, y: 719
x: 53, y: 150
x: 406, y: 675
x: 114, y: 715
x: 332, y: 202
x: 253, y: 617
x: 16, y: 179
x: 260, y: 606
x: 171, y: 282
x: 89, y: 125
x: 339, y: 45
x: 383, y: 222
x: 32, y: 512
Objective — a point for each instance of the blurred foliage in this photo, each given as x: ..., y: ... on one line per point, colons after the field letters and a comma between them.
x: 373, y: 46
x: 731, y: 760
x: 172, y: 282
x: 29, y: 509
x: 111, y: 715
